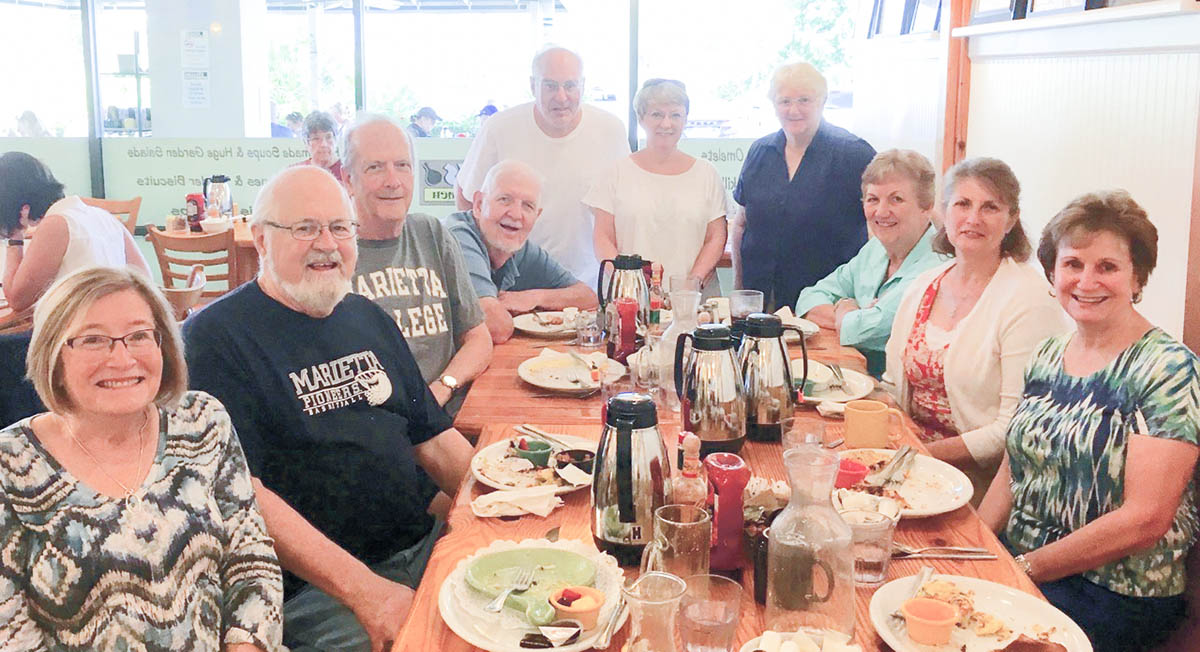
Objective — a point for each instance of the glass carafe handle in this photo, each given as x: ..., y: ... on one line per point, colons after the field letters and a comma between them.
x: 652, y: 556
x: 830, y: 581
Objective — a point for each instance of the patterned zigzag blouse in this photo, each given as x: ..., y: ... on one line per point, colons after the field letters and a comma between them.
x: 189, y: 566
x: 1067, y: 444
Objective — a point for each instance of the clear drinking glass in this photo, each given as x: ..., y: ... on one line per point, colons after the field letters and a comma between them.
x: 708, y: 613
x: 871, y: 533
x: 589, y: 332
x: 744, y: 302
x: 646, y: 369
x: 682, y: 541
x: 683, y: 282
x: 806, y: 429
x: 653, y: 600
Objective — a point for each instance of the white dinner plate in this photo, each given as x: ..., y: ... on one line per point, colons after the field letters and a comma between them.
x: 932, y: 486
x: 752, y: 644
x: 1020, y: 611
x: 486, y: 458
x: 858, y: 385
x: 461, y: 607
x: 526, y: 323
x: 807, y: 327
x: 558, y: 373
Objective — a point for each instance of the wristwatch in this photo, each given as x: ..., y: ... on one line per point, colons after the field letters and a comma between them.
x: 450, y: 382
x: 1024, y: 564
x: 16, y: 242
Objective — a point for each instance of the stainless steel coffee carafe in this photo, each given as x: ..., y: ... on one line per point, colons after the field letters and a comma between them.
x: 219, y: 192
x: 629, y: 281
x: 708, y: 380
x: 767, y: 375
x: 631, y: 477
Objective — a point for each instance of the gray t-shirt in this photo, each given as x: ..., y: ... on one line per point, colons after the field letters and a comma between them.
x: 421, y: 281
x: 530, y: 268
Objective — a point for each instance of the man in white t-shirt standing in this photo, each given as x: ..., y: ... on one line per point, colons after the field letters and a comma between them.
x: 567, y: 142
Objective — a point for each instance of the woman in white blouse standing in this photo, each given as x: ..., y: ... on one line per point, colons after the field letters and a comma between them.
x: 660, y: 203
x: 965, y: 329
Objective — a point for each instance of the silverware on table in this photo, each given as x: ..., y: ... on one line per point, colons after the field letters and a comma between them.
x: 538, y: 433
x: 588, y: 394
x: 919, y: 580
x: 839, y: 379
x: 899, y: 461
x: 965, y: 556
x: 522, y: 582
x: 909, y: 550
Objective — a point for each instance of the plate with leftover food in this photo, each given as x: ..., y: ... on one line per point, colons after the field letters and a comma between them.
x: 564, y: 373
x: 991, y: 618
x: 930, y: 486
x: 544, y: 323
x: 554, y: 566
x: 506, y: 465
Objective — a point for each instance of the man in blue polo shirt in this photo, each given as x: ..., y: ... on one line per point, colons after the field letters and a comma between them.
x: 510, y: 274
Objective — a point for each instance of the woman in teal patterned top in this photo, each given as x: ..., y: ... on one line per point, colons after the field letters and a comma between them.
x: 1098, y: 494
x: 127, y: 517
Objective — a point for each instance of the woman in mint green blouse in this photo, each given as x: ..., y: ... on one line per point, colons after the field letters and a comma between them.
x: 1098, y: 496
x: 860, y: 297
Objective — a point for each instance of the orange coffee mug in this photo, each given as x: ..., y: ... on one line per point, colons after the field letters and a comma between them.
x: 867, y: 423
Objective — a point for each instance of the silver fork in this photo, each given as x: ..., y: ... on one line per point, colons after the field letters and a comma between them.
x: 906, y: 551
x: 839, y: 379
x: 521, y: 583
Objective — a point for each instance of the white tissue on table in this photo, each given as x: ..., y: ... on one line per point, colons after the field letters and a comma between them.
x: 516, y: 502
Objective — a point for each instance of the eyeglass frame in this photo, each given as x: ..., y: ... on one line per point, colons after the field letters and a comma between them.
x: 320, y: 227
x: 112, y: 341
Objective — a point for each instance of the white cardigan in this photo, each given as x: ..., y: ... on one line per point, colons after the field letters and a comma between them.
x: 985, y: 362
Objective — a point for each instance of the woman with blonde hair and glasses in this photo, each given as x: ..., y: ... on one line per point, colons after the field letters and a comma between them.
x: 659, y: 203
x: 127, y: 520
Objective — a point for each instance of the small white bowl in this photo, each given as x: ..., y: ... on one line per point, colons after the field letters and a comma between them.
x: 215, y: 224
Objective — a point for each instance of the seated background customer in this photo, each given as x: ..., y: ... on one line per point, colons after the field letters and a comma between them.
x: 129, y: 497
x: 859, y: 298
x: 965, y: 329
x: 659, y: 203
x: 70, y: 234
x: 320, y: 134
x: 1099, y: 493
x: 509, y: 273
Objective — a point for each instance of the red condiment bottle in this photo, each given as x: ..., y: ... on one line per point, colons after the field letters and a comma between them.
x: 624, y: 343
x: 727, y: 477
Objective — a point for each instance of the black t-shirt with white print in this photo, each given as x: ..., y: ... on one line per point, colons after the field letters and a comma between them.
x: 327, y: 410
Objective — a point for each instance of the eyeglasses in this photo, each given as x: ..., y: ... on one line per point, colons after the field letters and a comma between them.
x: 137, y: 341
x: 803, y: 101
x: 310, y: 230
x: 322, y: 137
x: 550, y: 86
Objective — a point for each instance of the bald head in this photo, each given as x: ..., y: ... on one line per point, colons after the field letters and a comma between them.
x: 555, y: 56
x: 277, y: 198
x: 513, y: 171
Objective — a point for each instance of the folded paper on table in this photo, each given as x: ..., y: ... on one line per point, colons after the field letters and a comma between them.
x: 831, y: 409
x: 534, y: 500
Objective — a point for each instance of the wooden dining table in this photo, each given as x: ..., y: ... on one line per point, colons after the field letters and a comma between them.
x: 498, y: 401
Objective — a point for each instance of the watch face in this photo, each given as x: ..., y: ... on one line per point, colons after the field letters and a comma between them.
x: 450, y: 382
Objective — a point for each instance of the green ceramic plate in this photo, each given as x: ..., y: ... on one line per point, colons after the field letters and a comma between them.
x: 552, y: 569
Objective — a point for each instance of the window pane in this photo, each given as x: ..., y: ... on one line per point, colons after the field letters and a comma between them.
x: 123, y: 62
x: 310, y: 61
x: 689, y: 40
x: 44, y: 92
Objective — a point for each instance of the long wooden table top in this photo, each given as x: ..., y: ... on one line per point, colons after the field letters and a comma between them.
x: 499, y: 396
x: 498, y: 401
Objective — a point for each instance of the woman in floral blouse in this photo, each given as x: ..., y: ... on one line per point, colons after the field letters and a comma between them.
x: 127, y: 517
x: 1098, y: 493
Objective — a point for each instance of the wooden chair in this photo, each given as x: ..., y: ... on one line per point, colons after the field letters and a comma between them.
x: 183, y: 299
x: 209, y: 250
x: 125, y: 211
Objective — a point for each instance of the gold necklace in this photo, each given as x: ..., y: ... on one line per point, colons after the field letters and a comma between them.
x: 129, y: 498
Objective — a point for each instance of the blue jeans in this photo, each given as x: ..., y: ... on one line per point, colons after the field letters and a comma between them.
x: 313, y: 621
x: 1115, y: 622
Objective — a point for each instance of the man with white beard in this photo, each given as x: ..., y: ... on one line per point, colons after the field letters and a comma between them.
x: 334, y: 418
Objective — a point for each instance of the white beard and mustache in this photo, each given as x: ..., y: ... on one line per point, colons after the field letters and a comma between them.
x: 318, y: 294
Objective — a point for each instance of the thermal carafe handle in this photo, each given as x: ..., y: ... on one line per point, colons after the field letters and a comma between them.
x: 625, y: 508
x: 803, y: 356
x: 204, y: 188
x: 679, y: 363
x: 600, y: 294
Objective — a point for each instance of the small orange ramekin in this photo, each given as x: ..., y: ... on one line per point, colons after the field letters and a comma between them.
x: 929, y: 621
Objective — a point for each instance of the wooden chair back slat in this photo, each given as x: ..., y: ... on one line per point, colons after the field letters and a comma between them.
x: 124, y: 210
x: 212, y: 250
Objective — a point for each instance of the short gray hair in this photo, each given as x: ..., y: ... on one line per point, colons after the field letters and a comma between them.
x: 266, y: 205
x: 508, y: 166
x: 660, y: 91
x: 362, y: 120
x: 798, y: 73
x: 317, y: 121
x: 535, y: 69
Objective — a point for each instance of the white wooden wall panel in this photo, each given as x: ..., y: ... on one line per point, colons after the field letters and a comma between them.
x: 1071, y: 124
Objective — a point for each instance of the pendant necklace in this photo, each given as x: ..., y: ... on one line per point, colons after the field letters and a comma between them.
x: 129, y: 498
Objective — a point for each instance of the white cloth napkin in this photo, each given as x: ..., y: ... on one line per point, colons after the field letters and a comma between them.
x: 517, y: 502
x: 831, y: 409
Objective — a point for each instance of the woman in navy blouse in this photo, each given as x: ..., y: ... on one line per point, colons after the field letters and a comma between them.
x: 799, y: 188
